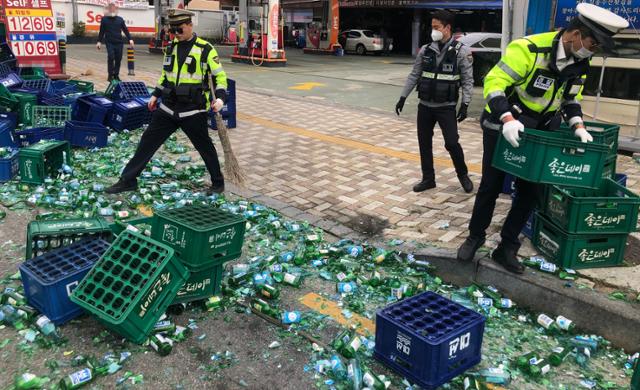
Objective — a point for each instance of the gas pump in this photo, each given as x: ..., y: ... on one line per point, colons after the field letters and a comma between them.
x: 322, y: 37
x: 261, y: 40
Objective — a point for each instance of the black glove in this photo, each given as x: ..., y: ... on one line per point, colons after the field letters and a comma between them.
x: 462, y: 112
x: 400, y: 105
x: 221, y: 94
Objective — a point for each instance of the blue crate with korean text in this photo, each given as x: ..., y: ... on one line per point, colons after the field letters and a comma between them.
x: 127, y: 90
x: 50, y: 278
x: 86, y: 134
x: 428, y: 339
x: 128, y: 115
x: 92, y: 108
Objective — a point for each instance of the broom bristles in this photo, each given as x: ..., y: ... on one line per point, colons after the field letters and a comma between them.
x: 232, y: 169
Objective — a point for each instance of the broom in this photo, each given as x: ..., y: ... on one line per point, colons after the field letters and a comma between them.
x: 232, y: 169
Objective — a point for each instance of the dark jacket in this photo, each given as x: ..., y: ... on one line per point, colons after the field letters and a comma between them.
x: 111, y: 28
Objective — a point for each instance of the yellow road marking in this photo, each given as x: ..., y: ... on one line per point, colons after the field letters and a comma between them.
x: 306, y: 86
x: 407, y: 156
x: 328, y: 307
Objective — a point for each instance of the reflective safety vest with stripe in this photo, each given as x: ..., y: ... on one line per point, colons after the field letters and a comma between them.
x: 528, y: 76
x: 440, y: 83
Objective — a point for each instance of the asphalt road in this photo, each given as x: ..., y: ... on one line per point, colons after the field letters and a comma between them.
x: 372, y: 82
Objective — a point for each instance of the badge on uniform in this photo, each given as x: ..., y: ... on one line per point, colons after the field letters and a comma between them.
x: 575, y: 89
x: 188, y: 60
x: 543, y: 82
x: 447, y: 67
x: 167, y: 60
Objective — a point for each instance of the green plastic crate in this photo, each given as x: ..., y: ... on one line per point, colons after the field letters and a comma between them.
x: 201, y: 285
x: 25, y: 111
x: 202, y: 235
x: 43, y: 236
x: 609, y: 169
x: 110, y: 88
x: 131, y: 285
x: 82, y: 86
x: 577, y: 251
x: 42, y: 160
x: 8, y: 100
x: 603, y: 133
x: 118, y: 227
x: 551, y: 158
x: 51, y: 116
x: 611, y: 209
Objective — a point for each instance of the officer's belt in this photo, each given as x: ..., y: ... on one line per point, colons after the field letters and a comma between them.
x: 445, y: 77
x: 180, y: 114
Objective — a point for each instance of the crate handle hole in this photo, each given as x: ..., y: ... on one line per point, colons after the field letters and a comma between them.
x: 136, y: 279
x: 126, y: 258
x: 401, y: 362
x: 126, y: 275
x: 117, y: 270
x: 127, y: 291
x: 457, y: 365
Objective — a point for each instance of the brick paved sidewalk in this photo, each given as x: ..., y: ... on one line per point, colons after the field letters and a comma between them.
x: 354, y: 166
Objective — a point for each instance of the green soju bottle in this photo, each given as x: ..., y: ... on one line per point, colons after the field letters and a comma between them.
x: 77, y: 379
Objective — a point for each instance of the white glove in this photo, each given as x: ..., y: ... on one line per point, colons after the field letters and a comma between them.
x: 98, y: 45
x: 131, y: 43
x: 583, y: 134
x: 511, y: 132
x: 217, y: 105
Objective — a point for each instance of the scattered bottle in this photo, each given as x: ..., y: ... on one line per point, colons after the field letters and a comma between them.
x: 559, y: 355
x: 77, y: 379
x: 161, y: 344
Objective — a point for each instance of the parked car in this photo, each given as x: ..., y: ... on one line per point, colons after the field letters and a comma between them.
x: 363, y: 41
x: 485, y: 48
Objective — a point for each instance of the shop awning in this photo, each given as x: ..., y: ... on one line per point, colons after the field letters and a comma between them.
x: 460, y: 4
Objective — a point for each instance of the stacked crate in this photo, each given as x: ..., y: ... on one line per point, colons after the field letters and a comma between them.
x: 228, y: 111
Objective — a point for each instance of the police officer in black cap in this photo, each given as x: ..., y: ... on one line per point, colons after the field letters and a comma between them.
x: 189, y: 62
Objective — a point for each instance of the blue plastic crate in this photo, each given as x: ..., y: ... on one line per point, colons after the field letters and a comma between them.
x: 509, y: 185
x: 145, y: 102
x: 6, y: 68
x: 50, y: 278
x: 621, y: 179
x: 429, y: 339
x: 33, y: 135
x: 128, y: 115
x: 127, y: 90
x: 39, y: 84
x: 9, y: 166
x: 7, y: 129
x: 228, y: 119
x: 61, y: 87
x: 86, y: 134
x: 48, y: 99
x: 527, y: 230
x: 92, y: 108
x: 11, y: 80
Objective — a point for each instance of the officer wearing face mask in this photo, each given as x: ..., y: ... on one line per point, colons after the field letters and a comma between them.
x: 536, y: 84
x: 440, y: 71
x: 189, y: 62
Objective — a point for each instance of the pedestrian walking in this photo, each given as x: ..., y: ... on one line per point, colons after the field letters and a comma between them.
x: 442, y: 68
x: 112, y: 27
x: 189, y: 62
x: 537, y: 83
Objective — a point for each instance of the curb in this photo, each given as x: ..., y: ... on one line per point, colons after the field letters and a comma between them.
x: 592, y: 311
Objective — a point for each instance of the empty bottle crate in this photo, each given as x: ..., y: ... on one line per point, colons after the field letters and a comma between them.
x: 577, y: 251
x: 202, y: 235
x: 611, y: 209
x: 49, y: 279
x: 127, y: 90
x: 86, y: 134
x: 27, y: 102
x: 82, y: 86
x: 6, y: 68
x: 42, y: 160
x: 51, y: 116
x: 34, y: 135
x: 7, y: 100
x: 428, y: 339
x: 603, y: 133
x: 145, y: 102
x: 48, y: 99
x: 38, y: 84
x: 92, y: 108
x: 551, y: 158
x: 11, y: 80
x: 7, y: 132
x: 201, y: 285
x: 62, y: 87
x: 609, y: 169
x: 621, y: 179
x: 127, y: 115
x: 32, y: 72
x: 132, y: 285
x: 43, y: 236
x: 9, y: 166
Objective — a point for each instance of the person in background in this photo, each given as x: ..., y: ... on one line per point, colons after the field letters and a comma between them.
x: 111, y: 28
x: 442, y: 68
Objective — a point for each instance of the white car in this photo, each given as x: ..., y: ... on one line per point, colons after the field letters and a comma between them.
x: 485, y: 48
x: 363, y: 41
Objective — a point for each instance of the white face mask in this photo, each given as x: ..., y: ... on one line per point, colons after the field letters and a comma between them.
x: 436, y: 35
x: 581, y: 53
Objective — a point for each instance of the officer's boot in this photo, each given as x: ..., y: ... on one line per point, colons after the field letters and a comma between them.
x: 469, y: 247
x: 507, y: 256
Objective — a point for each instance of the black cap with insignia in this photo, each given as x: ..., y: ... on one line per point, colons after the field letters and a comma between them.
x: 177, y: 17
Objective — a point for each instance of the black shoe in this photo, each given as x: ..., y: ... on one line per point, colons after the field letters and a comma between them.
x: 122, y: 186
x: 117, y: 78
x: 467, y: 184
x: 109, y: 79
x: 424, y: 185
x: 508, y: 258
x: 216, y: 189
x: 469, y: 247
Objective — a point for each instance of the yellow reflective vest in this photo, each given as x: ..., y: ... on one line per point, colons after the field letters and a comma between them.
x: 528, y: 77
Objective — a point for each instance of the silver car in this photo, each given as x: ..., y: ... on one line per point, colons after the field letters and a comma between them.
x: 363, y: 42
x: 485, y: 48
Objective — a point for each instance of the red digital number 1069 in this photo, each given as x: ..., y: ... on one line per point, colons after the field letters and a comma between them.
x: 34, y: 48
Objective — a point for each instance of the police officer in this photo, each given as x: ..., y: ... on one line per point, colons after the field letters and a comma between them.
x: 440, y: 69
x: 188, y: 63
x: 536, y: 84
